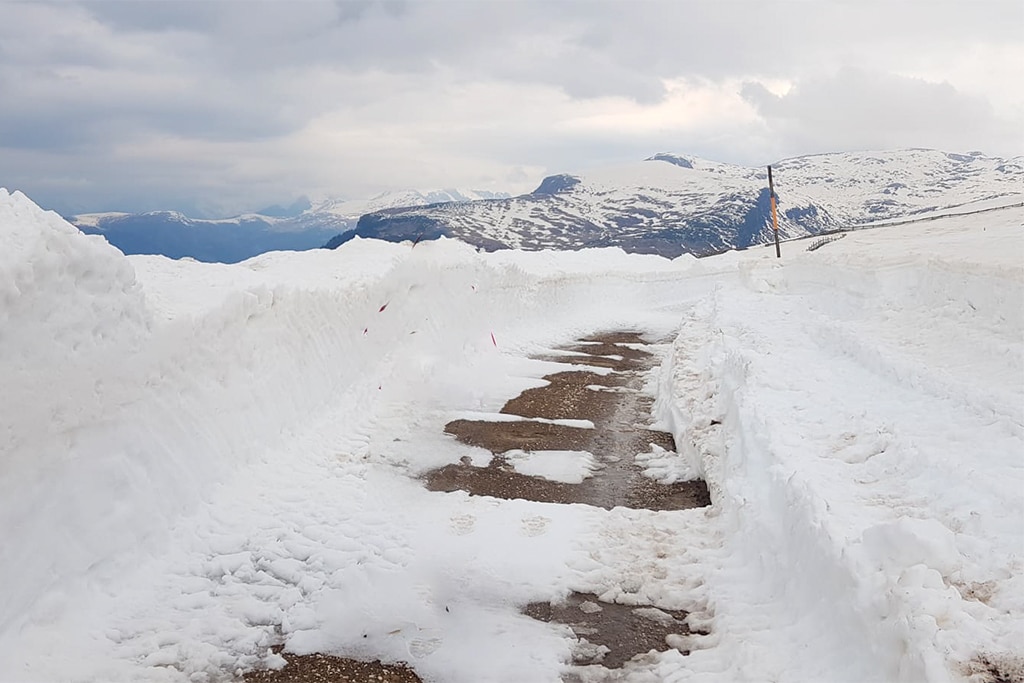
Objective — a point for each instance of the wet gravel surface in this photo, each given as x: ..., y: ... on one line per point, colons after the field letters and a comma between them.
x: 568, y: 396
x: 317, y: 668
x: 499, y: 437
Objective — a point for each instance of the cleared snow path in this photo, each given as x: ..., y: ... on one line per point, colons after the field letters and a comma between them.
x: 527, y: 456
x: 201, y: 462
x: 610, y: 635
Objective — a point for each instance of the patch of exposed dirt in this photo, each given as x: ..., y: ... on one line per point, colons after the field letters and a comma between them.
x: 567, y: 397
x: 611, y: 634
x: 317, y: 668
x: 995, y: 668
x: 499, y: 437
x: 615, y: 337
x: 620, y: 413
x: 499, y: 480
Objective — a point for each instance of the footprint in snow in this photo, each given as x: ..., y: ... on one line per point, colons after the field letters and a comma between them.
x: 535, y: 526
x: 423, y: 647
x: 462, y: 524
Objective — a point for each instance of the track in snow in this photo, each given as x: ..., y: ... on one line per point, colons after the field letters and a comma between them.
x: 608, y: 634
x: 619, y: 412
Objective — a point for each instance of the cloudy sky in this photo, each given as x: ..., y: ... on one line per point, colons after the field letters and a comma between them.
x: 218, y: 106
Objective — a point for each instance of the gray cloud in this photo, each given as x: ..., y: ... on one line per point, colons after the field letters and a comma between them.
x: 224, y: 103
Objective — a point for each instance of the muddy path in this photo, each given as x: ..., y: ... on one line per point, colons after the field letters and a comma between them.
x: 319, y: 668
x: 611, y: 634
x: 608, y: 634
x: 621, y: 415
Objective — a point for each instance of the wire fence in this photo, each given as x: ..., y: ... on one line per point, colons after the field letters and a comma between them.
x: 836, y: 233
x: 822, y: 241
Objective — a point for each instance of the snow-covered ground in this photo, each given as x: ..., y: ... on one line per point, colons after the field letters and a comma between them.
x: 199, y: 460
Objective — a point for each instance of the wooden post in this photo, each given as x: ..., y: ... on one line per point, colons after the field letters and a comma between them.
x: 775, y: 216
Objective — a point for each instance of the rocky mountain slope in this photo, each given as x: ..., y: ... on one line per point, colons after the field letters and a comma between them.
x: 671, y: 204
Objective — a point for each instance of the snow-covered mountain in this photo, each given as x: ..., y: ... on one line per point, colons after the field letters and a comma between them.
x: 352, y: 209
x: 671, y: 204
x: 668, y: 204
x: 305, y: 224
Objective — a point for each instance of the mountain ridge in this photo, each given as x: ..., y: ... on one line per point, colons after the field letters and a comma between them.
x: 670, y: 204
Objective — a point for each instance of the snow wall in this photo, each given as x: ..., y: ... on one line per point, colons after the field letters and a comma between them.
x: 857, y: 413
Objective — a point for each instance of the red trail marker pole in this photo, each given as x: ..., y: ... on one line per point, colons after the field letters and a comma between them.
x: 775, y: 216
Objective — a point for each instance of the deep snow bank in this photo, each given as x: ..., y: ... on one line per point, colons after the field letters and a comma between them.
x: 70, y: 313
x: 859, y: 413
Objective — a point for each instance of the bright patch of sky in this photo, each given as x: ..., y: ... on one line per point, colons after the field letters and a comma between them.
x: 215, y: 108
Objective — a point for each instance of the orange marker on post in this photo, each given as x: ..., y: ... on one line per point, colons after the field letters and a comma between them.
x: 775, y: 217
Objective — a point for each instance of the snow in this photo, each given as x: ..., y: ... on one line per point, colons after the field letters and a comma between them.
x: 991, y: 204
x: 96, y: 220
x: 870, y: 401
x: 201, y: 459
x: 570, y: 467
x: 665, y: 467
x: 505, y: 417
x: 352, y: 209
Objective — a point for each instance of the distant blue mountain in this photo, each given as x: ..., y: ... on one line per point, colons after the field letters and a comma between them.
x: 172, y: 234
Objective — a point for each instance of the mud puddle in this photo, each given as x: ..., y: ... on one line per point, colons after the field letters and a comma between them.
x: 611, y: 634
x: 621, y: 415
x: 319, y: 668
